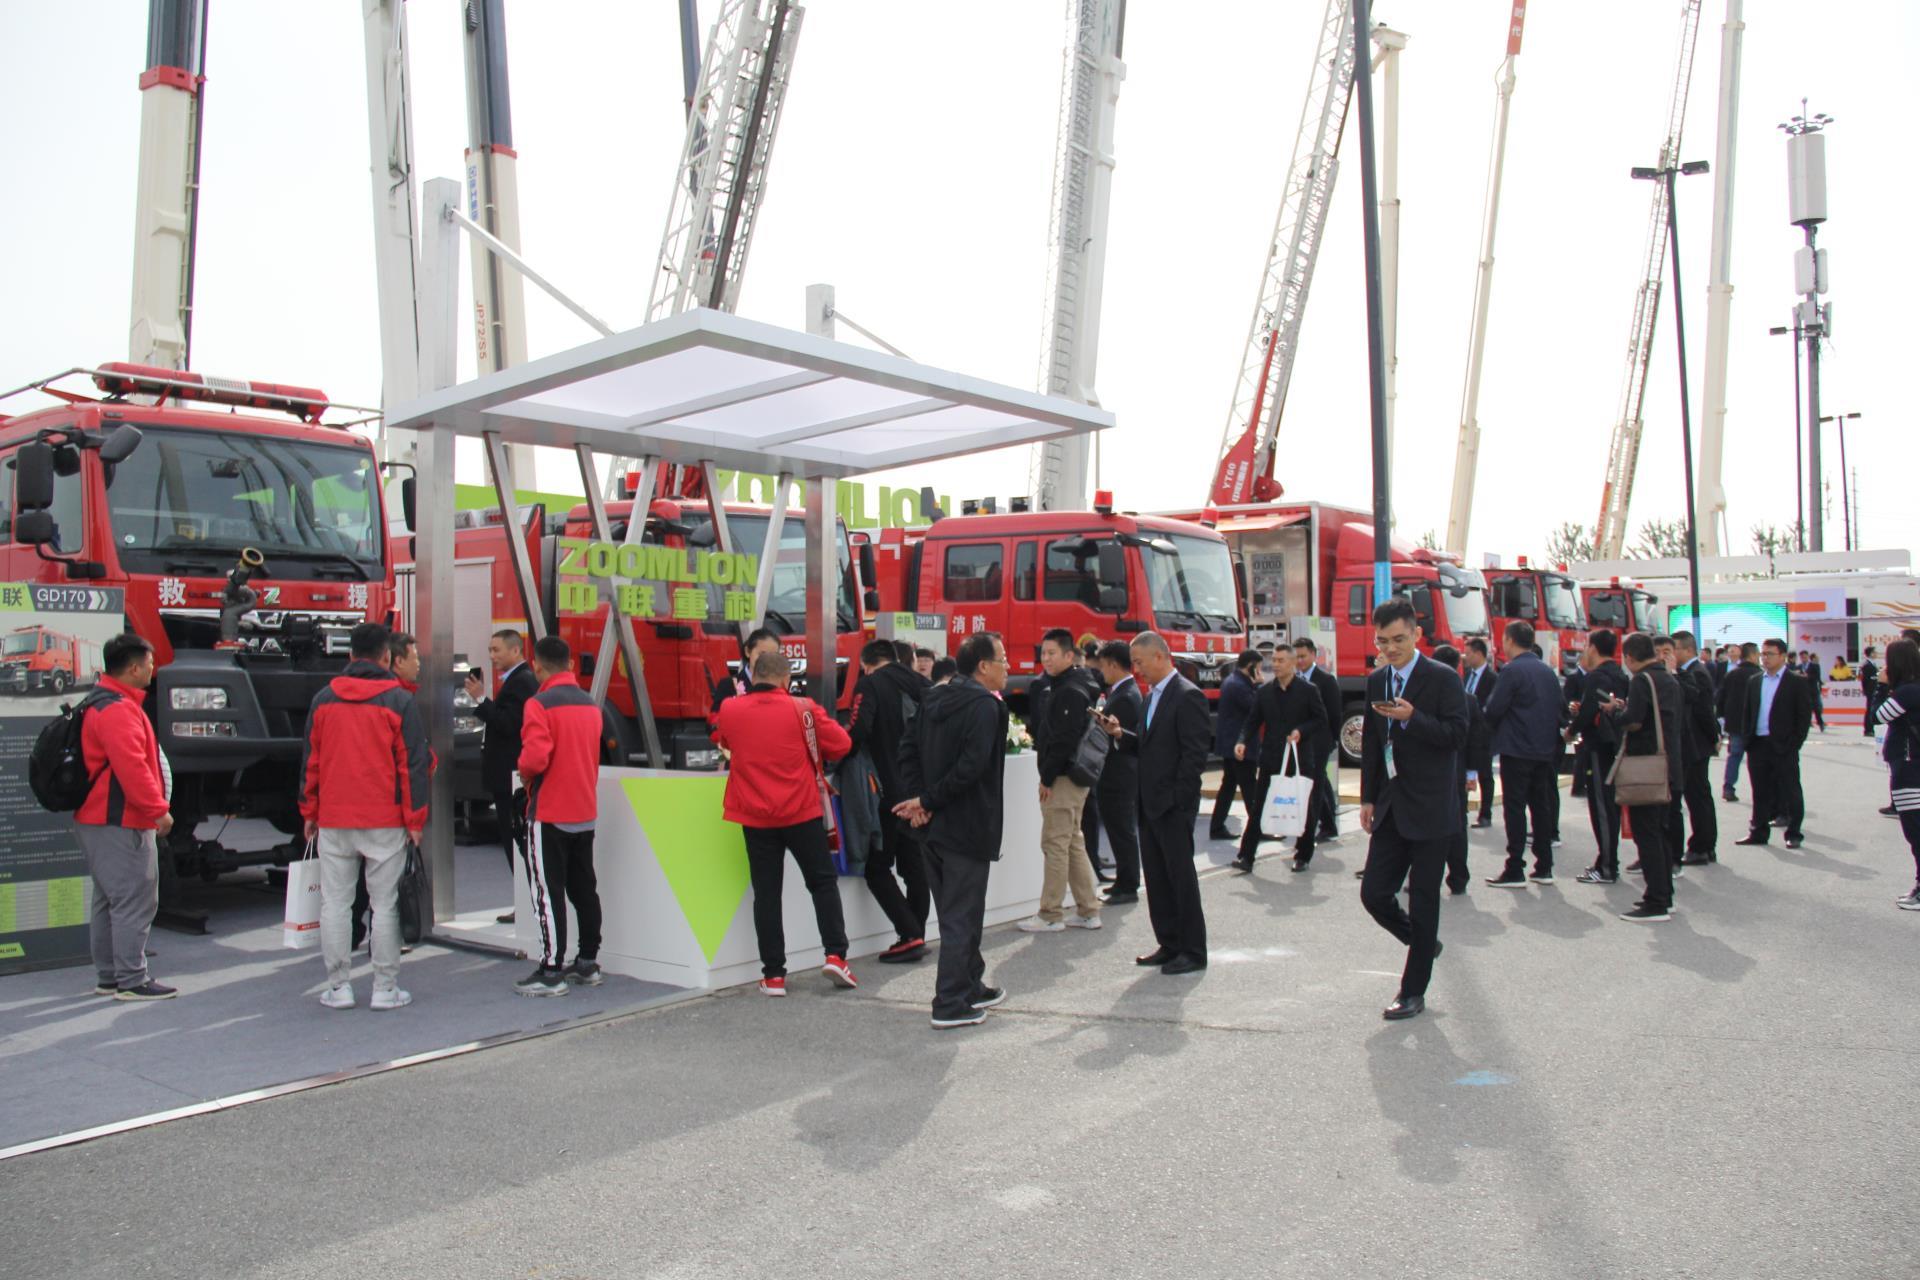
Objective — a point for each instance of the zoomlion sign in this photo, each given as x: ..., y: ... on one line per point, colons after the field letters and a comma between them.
x: 652, y: 582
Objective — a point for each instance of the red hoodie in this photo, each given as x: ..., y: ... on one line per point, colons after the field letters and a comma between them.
x: 366, y: 758
x: 560, y: 738
x: 123, y: 759
x: 772, y: 782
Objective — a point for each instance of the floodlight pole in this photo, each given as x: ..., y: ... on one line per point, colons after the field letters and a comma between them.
x: 1376, y: 326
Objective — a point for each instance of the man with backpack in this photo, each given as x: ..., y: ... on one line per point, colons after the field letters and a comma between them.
x: 1063, y: 797
x: 119, y: 823
x: 886, y: 703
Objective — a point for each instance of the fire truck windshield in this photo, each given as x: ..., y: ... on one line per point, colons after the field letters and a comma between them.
x: 1464, y: 596
x: 1194, y: 580
x: 188, y: 501
x: 1563, y: 609
x: 789, y: 597
x: 1607, y: 609
x: 1642, y: 611
x: 21, y: 642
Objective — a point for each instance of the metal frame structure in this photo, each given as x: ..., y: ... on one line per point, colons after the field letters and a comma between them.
x: 1077, y: 252
x: 1623, y: 455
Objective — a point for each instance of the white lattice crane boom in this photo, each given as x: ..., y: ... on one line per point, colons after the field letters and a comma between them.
x: 1610, y: 530
x: 1245, y: 472
x: 1077, y: 251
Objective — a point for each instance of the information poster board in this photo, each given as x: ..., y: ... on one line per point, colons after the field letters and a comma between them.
x: 51, y: 638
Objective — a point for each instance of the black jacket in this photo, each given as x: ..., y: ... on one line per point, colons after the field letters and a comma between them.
x: 1701, y: 729
x: 1327, y: 685
x: 1066, y: 711
x: 1731, y: 701
x: 1636, y: 720
x: 884, y: 702
x: 1172, y: 750
x: 1122, y: 771
x: 1595, y: 726
x: 1423, y: 798
x: 1237, y: 694
x: 1480, y: 731
x: 955, y: 761
x: 1277, y: 712
x: 502, y: 714
x: 1792, y: 711
x: 1526, y: 710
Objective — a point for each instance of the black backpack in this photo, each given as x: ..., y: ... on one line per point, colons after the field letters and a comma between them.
x: 57, y: 766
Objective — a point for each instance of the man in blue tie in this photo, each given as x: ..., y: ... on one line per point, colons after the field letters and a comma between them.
x: 1779, y: 712
x: 1481, y: 681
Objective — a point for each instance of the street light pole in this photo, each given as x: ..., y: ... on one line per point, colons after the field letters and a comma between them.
x: 1799, y: 465
x: 1846, y: 500
x: 1670, y: 175
x: 1376, y: 325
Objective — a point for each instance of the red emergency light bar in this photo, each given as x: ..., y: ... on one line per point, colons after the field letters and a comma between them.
x: 1103, y: 501
x: 1523, y: 562
x: 121, y: 379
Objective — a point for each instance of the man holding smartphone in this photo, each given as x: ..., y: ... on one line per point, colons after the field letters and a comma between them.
x: 503, y: 714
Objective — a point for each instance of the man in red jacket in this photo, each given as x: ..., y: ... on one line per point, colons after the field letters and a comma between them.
x: 560, y: 764
x: 780, y: 746
x: 124, y: 814
x: 363, y: 794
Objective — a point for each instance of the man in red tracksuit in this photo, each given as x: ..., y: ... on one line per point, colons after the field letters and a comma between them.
x: 118, y: 826
x: 363, y: 795
x: 773, y: 792
x: 560, y: 739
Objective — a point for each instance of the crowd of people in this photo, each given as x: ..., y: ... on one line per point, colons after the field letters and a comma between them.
x: 1122, y: 741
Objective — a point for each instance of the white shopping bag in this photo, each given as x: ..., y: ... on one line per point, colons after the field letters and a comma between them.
x: 1288, y: 794
x: 301, y: 928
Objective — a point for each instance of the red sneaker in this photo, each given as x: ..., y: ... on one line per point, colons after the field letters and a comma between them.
x: 838, y: 973
x: 773, y: 986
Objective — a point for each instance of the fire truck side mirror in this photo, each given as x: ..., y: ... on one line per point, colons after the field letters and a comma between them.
x: 409, y: 501
x: 33, y: 478
x: 119, y: 446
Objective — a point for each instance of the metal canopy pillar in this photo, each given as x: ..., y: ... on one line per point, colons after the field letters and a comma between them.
x: 823, y: 592
x: 502, y: 473
x: 770, y: 550
x: 617, y: 629
x: 433, y: 540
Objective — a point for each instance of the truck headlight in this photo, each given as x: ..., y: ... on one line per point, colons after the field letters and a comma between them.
x: 203, y: 729
x: 463, y: 725
x: 199, y: 698
x: 708, y: 758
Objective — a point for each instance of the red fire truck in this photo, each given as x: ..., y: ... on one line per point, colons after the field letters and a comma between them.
x: 1547, y: 599
x: 247, y: 546
x: 1620, y: 605
x: 36, y: 660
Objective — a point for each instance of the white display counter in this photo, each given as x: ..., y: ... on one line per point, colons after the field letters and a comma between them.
x: 675, y: 895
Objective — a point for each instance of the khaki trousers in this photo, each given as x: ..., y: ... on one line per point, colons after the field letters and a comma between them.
x: 1065, y: 851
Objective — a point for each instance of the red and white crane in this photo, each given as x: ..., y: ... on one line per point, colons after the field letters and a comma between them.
x: 166, y: 211
x: 1610, y: 530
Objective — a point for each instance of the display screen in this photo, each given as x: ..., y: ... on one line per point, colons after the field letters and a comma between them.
x: 1731, y: 622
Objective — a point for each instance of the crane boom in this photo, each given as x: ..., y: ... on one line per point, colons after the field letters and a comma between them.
x: 1713, y: 427
x: 166, y: 210
x: 1076, y: 261
x: 1610, y: 530
x: 1245, y: 471
x: 1466, y: 461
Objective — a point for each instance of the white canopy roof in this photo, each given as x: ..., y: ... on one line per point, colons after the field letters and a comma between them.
x: 705, y: 386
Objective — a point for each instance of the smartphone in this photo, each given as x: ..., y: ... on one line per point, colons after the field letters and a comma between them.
x: 1383, y: 707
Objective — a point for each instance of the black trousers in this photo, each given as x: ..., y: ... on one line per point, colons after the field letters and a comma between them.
x: 1701, y: 816
x: 560, y: 869
x: 1235, y: 775
x: 900, y: 849
x: 1090, y: 830
x: 1256, y: 805
x: 1528, y: 788
x: 1173, y: 886
x: 1775, y: 774
x: 507, y: 814
x: 767, y: 849
x: 1656, y: 858
x: 1458, y: 876
x: 1481, y: 763
x: 959, y: 882
x: 1580, y: 771
x: 1118, y: 800
x: 1325, y: 810
x: 1603, y: 811
x: 1393, y: 860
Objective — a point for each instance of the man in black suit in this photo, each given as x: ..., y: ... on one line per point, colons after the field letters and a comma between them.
x: 1481, y: 680
x: 1118, y: 793
x: 1526, y: 712
x: 1778, y: 714
x: 1731, y: 704
x: 1172, y: 747
x: 1700, y: 743
x: 1325, y: 805
x: 502, y: 715
x: 1409, y: 798
x: 1605, y: 682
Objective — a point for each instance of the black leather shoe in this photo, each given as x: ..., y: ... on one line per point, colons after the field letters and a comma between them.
x: 1119, y: 896
x: 505, y: 919
x: 1695, y: 860
x: 1751, y: 839
x: 1404, y: 1007
x: 1457, y: 889
x: 1890, y: 812
x: 1300, y: 864
x: 1159, y: 955
x: 1730, y: 794
x: 1219, y: 833
x: 1794, y: 842
x: 1182, y: 964
x: 1483, y: 822
x: 1243, y: 865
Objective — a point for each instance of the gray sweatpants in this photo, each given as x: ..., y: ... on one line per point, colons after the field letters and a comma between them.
x: 126, y: 892
x: 341, y: 851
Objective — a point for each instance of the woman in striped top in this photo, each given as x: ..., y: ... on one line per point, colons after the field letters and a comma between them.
x: 1900, y: 712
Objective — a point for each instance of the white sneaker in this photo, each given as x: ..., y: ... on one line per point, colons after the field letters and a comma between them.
x: 391, y: 998
x: 340, y: 997
x: 1034, y: 924
x: 1083, y: 922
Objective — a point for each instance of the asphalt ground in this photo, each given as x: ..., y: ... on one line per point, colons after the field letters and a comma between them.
x: 1724, y: 1095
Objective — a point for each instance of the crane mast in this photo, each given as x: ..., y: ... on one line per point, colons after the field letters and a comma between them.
x: 166, y: 210
x: 1466, y: 460
x: 1245, y: 471
x: 1076, y: 261
x: 1713, y: 427
x: 395, y: 217
x: 1610, y: 530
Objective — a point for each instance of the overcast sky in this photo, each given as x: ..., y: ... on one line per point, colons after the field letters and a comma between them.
x: 913, y: 173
